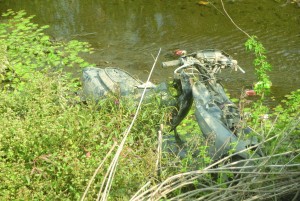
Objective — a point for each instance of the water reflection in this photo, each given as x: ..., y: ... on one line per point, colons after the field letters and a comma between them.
x: 126, y: 32
x: 65, y: 16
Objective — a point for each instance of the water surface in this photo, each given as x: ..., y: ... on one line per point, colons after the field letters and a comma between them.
x: 128, y: 33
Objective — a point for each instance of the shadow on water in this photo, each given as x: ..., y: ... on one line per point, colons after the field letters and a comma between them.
x: 125, y: 33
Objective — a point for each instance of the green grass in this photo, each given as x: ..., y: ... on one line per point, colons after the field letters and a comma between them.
x: 51, y: 145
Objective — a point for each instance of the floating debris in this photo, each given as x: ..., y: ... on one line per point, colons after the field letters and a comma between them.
x: 250, y: 92
x: 203, y: 3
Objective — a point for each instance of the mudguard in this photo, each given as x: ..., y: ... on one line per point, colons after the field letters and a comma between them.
x: 209, y: 118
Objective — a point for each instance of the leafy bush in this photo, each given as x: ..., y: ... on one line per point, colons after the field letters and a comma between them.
x: 286, y: 120
x: 29, y: 49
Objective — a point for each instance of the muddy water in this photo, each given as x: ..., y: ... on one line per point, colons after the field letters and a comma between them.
x: 128, y: 33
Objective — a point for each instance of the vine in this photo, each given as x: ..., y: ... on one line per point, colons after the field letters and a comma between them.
x: 261, y: 65
x: 260, y: 62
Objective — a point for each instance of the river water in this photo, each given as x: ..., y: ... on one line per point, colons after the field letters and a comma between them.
x: 129, y: 33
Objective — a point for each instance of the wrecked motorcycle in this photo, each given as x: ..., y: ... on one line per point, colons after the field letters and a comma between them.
x: 217, y: 116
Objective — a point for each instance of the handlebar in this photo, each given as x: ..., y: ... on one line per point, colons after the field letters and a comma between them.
x: 171, y: 63
x: 210, y: 57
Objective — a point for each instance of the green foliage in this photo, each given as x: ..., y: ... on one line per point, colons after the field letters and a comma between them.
x: 29, y: 49
x: 287, y: 121
x: 258, y: 111
x: 189, y: 156
x: 280, y: 123
x: 51, y: 147
x: 262, y: 66
x: 3, y: 60
x: 51, y: 143
x: 189, y: 125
